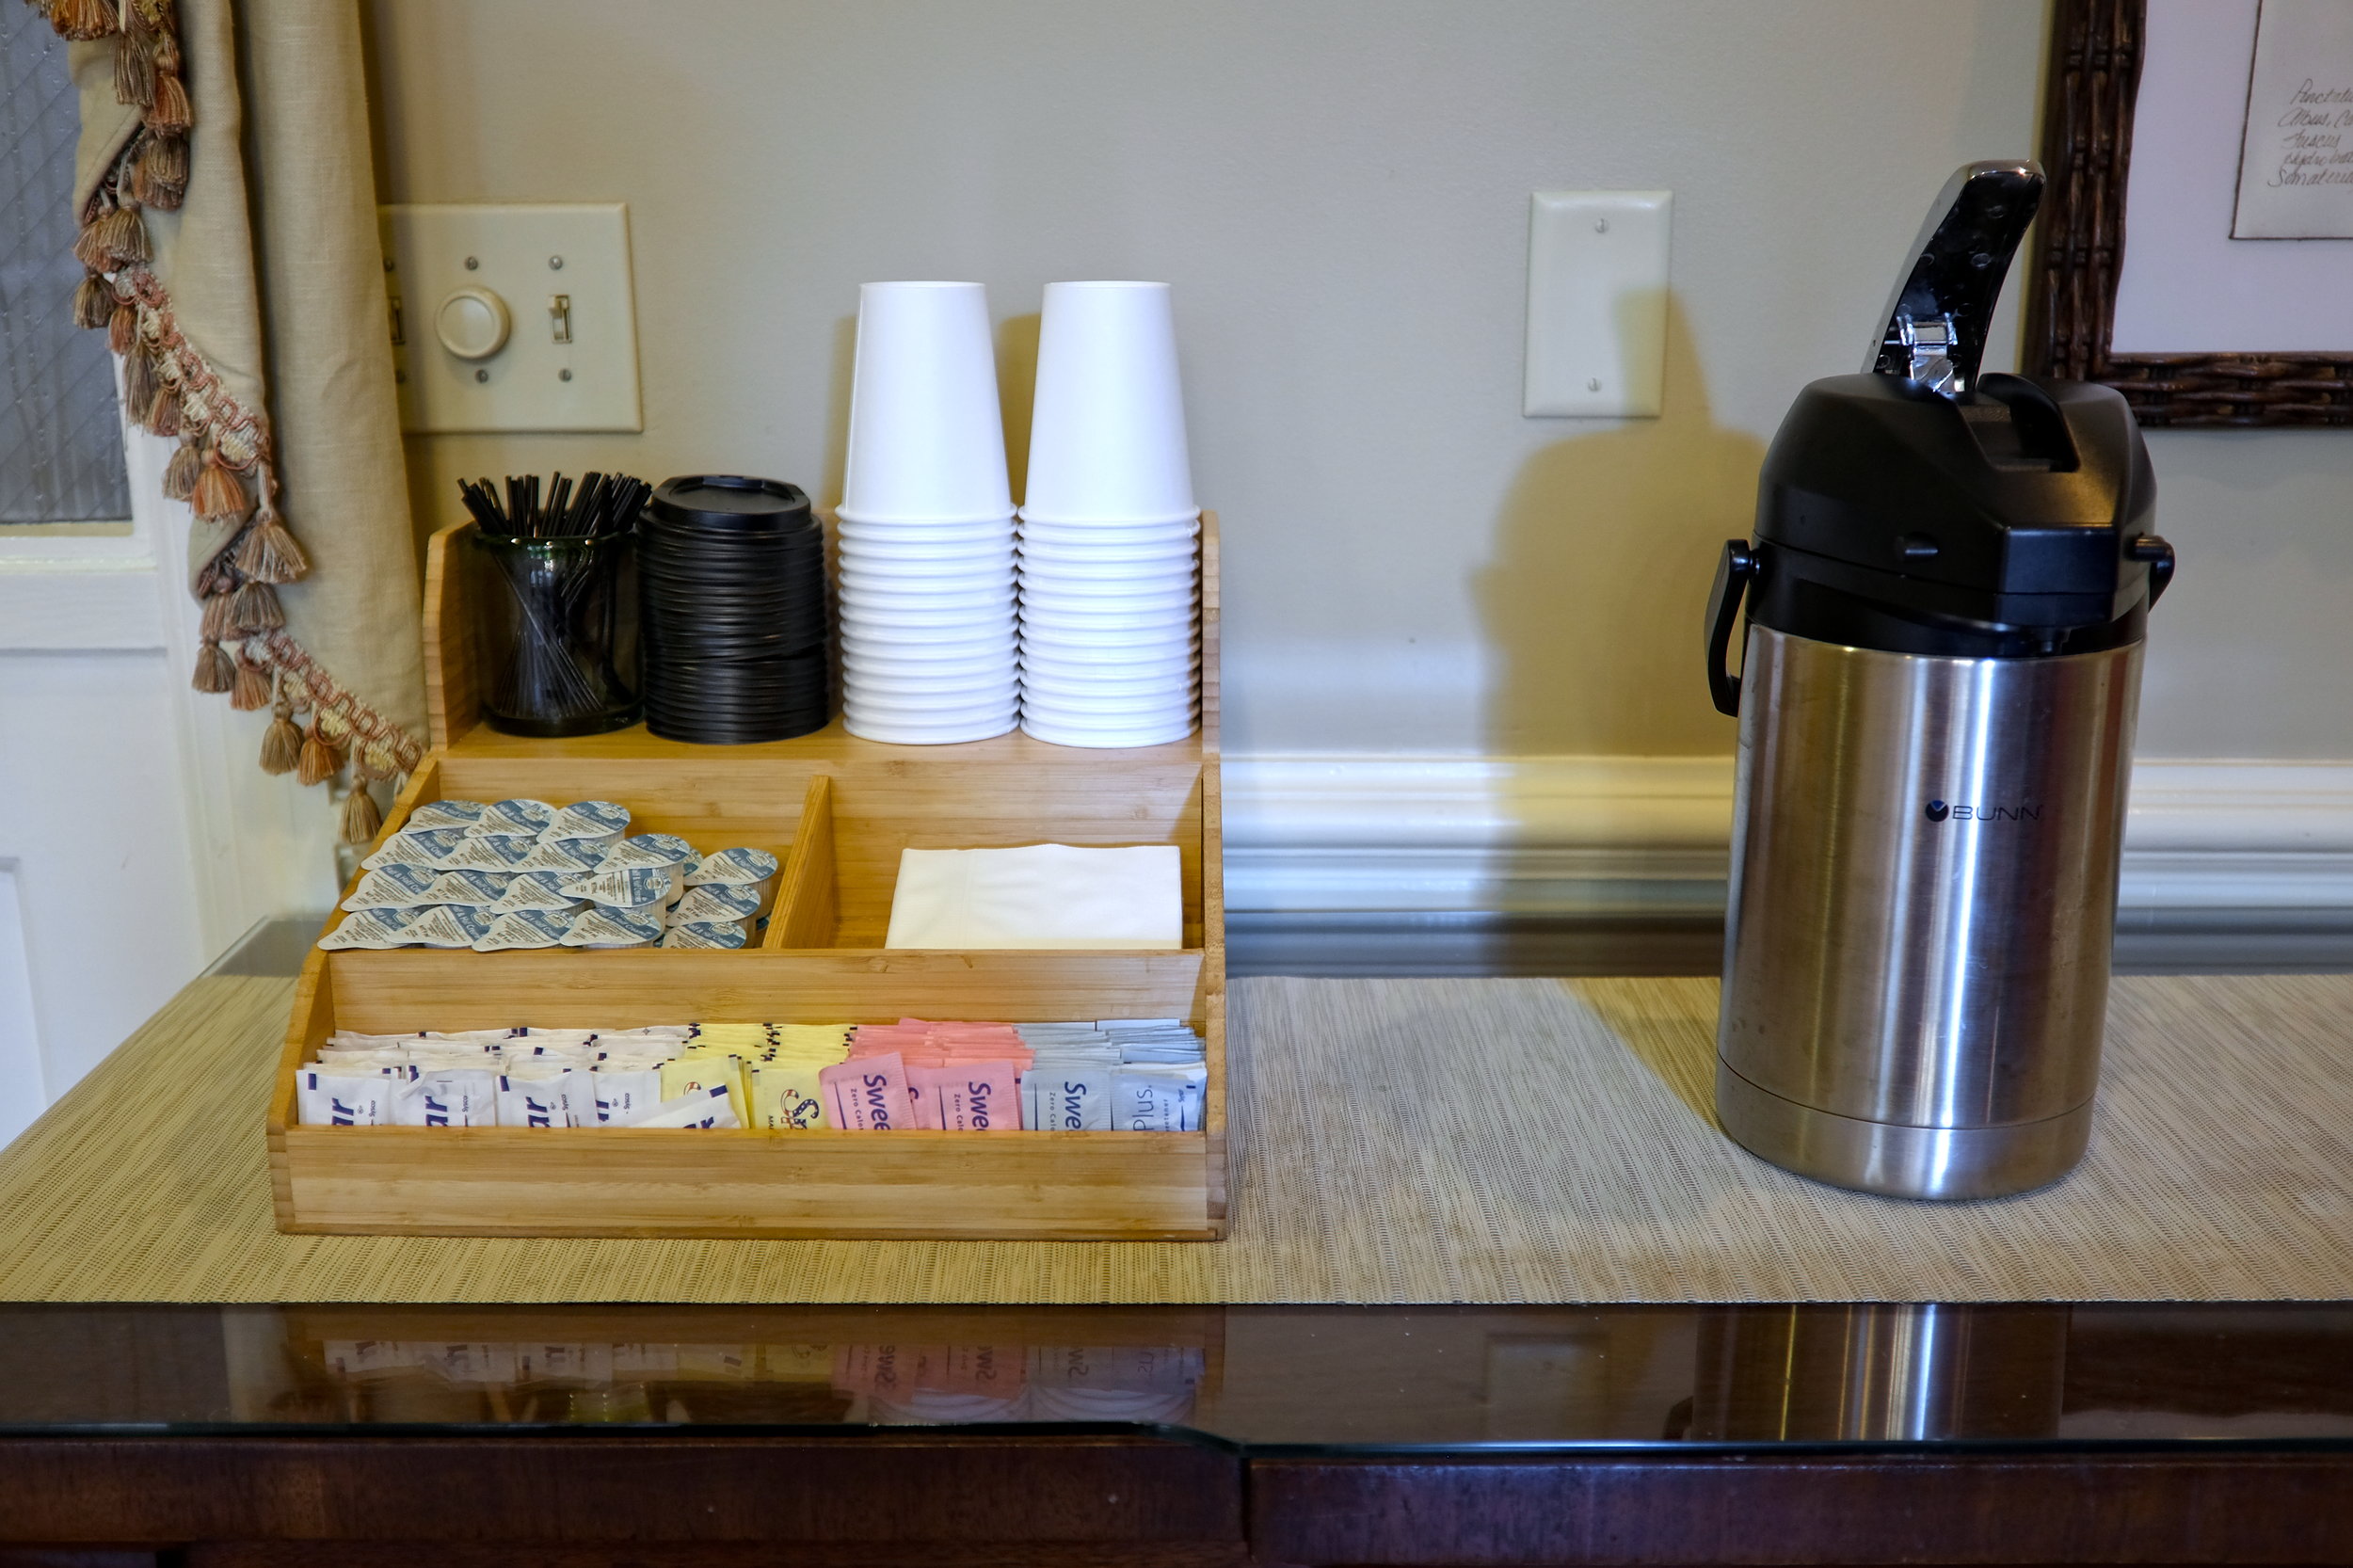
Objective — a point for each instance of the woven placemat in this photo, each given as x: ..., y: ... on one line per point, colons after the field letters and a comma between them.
x: 1406, y: 1141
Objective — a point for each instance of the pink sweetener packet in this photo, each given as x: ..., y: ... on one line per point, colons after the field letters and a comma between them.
x: 868, y: 1094
x: 970, y: 1097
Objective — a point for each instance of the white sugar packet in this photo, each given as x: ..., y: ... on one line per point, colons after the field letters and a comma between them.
x: 702, y: 1107
x: 324, y: 1098
x: 450, y: 1097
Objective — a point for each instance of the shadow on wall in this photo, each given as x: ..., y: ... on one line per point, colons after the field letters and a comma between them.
x: 1604, y: 555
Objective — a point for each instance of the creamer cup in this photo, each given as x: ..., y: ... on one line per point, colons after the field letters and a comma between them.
x: 648, y: 849
x: 741, y: 867
x: 713, y: 903
x: 536, y: 890
x: 391, y: 887
x: 515, y: 818
x: 525, y: 928
x: 446, y: 925
x: 433, y: 814
x: 588, y: 819
x: 415, y: 849
x: 570, y: 856
x: 472, y: 889
x: 632, y: 888
x: 612, y: 928
x: 495, y: 852
x: 366, y: 928
x: 728, y: 935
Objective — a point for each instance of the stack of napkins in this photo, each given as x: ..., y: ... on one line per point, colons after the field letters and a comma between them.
x: 1039, y: 896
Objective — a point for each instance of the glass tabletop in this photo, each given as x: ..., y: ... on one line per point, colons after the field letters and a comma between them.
x: 1259, y: 1379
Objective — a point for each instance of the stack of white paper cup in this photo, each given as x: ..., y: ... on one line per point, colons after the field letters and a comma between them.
x: 927, y: 603
x: 1111, y: 596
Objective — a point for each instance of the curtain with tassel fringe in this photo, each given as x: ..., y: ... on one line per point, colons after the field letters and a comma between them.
x: 227, y: 200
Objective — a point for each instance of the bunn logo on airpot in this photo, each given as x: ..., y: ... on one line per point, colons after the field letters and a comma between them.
x: 1938, y: 810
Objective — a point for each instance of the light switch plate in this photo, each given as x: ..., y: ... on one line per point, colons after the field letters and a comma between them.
x: 529, y: 257
x: 1596, y: 302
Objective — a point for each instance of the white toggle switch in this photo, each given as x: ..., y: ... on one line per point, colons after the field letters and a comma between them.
x: 469, y: 268
x: 1596, y: 302
x: 473, y: 323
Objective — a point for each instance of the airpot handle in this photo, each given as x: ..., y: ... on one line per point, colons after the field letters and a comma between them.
x: 1733, y: 572
x: 1943, y: 306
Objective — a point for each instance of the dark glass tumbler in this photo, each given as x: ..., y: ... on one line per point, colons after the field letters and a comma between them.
x: 555, y: 628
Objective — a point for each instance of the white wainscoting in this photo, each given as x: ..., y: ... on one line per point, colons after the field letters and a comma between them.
x: 1647, y: 835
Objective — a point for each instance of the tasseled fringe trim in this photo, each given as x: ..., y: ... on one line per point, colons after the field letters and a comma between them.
x: 318, y: 762
x: 360, y: 818
x: 258, y: 609
x: 135, y: 73
x: 220, y: 620
x: 252, y: 692
x: 268, y: 553
x: 95, y: 303
x: 138, y: 380
x: 160, y: 178
x: 217, y: 496
x: 214, y: 670
x: 180, y: 474
x: 171, y: 116
x: 117, y: 240
x: 83, y: 21
x: 281, y: 742
x: 162, y: 415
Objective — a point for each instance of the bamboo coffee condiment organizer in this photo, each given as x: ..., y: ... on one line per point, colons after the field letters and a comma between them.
x: 836, y: 811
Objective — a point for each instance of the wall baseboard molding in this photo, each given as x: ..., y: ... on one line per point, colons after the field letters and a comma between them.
x: 1646, y: 836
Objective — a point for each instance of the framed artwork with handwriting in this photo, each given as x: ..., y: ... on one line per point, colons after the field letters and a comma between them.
x: 2196, y: 244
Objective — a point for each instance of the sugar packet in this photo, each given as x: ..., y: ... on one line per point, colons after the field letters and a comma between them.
x: 449, y: 1096
x: 869, y: 1095
x: 703, y: 1107
x: 620, y: 1095
x: 526, y: 1100
x: 325, y: 1098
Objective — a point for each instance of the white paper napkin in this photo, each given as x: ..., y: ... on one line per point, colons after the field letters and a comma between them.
x: 1039, y: 896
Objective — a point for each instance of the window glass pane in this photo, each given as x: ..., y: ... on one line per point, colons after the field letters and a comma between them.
x: 60, y: 441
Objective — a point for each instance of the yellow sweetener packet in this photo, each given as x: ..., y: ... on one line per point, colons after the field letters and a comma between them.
x: 786, y: 1098
x: 689, y: 1075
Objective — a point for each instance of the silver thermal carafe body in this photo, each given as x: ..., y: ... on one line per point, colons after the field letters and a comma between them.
x: 1945, y: 604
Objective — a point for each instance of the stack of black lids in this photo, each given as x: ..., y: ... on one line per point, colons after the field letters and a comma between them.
x: 732, y: 577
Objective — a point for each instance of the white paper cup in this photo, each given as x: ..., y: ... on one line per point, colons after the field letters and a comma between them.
x: 1185, y: 556
x: 924, y: 711
x: 955, y: 732
x: 919, y: 658
x: 1160, y: 620
x: 1079, y: 735
x: 1124, y: 647
x: 1107, y: 433
x: 1105, y: 536
x: 978, y: 540
x: 1099, y: 599
x: 1118, y: 577
x: 1126, y: 712
x: 928, y: 625
x: 892, y: 686
x: 1107, y: 664
x: 891, y: 600
x: 1154, y: 686
x: 991, y: 644
x: 926, y: 441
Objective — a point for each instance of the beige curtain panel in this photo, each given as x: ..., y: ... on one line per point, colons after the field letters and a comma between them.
x: 228, y: 209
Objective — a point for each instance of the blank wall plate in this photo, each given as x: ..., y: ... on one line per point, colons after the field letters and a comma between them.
x: 1596, y: 302
x: 525, y: 259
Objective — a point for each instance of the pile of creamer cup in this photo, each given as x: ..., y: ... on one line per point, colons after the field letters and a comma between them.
x: 522, y: 873
x: 1091, y: 635
x: 1114, y: 1075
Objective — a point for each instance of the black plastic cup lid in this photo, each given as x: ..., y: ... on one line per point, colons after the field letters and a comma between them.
x: 727, y: 500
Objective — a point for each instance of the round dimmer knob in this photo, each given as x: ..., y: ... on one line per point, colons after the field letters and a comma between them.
x: 473, y: 323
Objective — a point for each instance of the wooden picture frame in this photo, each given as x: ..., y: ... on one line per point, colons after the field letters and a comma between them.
x: 2093, y: 81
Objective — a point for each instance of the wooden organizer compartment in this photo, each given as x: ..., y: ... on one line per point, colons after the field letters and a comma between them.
x: 837, y: 811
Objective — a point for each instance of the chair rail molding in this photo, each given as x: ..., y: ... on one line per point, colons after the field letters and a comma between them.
x: 1649, y: 835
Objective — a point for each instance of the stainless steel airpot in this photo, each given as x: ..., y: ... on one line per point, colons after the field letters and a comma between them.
x: 1945, y: 604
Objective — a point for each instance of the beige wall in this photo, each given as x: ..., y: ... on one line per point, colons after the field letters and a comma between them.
x: 1338, y: 190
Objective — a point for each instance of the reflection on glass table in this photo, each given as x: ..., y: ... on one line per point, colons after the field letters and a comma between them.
x: 1259, y: 1379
